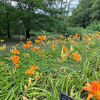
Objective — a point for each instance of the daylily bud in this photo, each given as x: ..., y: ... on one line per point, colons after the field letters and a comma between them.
x: 25, y: 87
x: 29, y: 81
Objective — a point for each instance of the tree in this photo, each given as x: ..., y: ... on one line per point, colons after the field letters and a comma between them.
x: 30, y: 14
x: 34, y: 15
x: 7, y: 17
x: 40, y: 14
x: 96, y: 11
x: 81, y: 14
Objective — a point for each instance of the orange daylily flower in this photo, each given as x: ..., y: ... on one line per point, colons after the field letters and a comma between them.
x: 52, y: 45
x: 29, y: 71
x: 66, y: 50
x: 32, y: 50
x: 76, y: 56
x: 36, y: 77
x: 75, y: 36
x: 15, y: 51
x: 42, y: 55
x: 16, y: 66
x: 27, y: 45
x: 39, y: 52
x: 64, y: 47
x: 56, y: 40
x: 84, y: 39
x: 94, y: 89
x: 53, y: 49
x: 62, y: 36
x: 36, y: 48
x: 42, y: 37
x: 28, y: 55
x: 37, y: 41
x: 33, y: 67
x: 15, y: 59
x: 2, y: 63
x: 28, y: 42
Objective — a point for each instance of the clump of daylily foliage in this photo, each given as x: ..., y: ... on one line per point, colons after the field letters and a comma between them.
x: 44, y: 69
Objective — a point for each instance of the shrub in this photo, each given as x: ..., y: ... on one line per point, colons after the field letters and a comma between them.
x: 95, y: 26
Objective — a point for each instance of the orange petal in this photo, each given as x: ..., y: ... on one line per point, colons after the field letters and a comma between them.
x: 98, y: 98
x: 87, y: 88
x: 89, y: 96
x: 95, y: 85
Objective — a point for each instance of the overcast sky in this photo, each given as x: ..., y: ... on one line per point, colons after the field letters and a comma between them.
x: 73, y: 4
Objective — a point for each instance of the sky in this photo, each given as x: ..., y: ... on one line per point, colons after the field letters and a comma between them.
x: 73, y: 4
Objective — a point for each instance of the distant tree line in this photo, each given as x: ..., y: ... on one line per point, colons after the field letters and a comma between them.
x: 36, y: 15
x: 86, y: 12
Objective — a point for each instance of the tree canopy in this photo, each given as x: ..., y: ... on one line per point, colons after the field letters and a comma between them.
x: 85, y: 13
x: 34, y: 15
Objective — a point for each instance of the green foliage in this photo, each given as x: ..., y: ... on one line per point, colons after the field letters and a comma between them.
x: 95, y: 26
x: 85, y: 14
x: 62, y: 27
x: 55, y: 76
x: 96, y: 13
x: 72, y: 31
x: 79, y: 30
x: 8, y: 18
x: 2, y: 8
x: 35, y: 15
x: 81, y: 14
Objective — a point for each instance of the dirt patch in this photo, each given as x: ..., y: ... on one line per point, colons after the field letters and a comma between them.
x: 16, y: 40
x: 12, y: 42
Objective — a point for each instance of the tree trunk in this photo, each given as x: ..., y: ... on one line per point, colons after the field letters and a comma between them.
x: 27, y: 31
x: 8, y: 30
x: 27, y: 34
x: 8, y: 27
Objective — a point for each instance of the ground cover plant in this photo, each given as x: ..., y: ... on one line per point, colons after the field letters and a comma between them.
x: 41, y: 70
